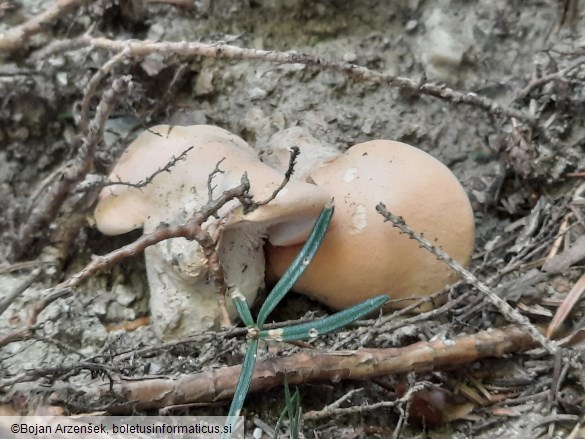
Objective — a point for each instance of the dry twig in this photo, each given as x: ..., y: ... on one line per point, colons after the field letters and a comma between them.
x: 563, y: 311
x: 334, y: 410
x: 561, y: 74
x: 507, y: 311
x: 143, y: 183
x: 43, y: 210
x: 125, y: 396
x: 16, y: 37
x: 93, y: 84
x: 294, y: 153
x: 141, y: 49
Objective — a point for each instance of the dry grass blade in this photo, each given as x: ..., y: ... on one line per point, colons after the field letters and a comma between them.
x: 566, y: 307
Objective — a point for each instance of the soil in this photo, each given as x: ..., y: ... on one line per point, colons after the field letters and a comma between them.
x: 523, y: 184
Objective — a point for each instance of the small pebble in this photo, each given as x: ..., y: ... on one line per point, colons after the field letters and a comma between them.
x: 257, y: 94
x: 204, y: 83
x: 350, y: 57
x: 411, y: 25
x: 62, y: 78
x: 124, y: 295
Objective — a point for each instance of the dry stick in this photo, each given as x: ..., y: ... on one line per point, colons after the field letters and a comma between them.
x: 212, y: 255
x: 334, y: 411
x: 292, y: 161
x: 148, y: 180
x: 126, y: 396
x: 210, y: 178
x: 45, y: 209
x: 14, y: 38
x: 142, y: 49
x: 57, y: 372
x: 548, y: 78
x: 336, y: 404
x: 507, y: 311
x: 93, y: 84
x: 117, y: 358
x: 21, y: 288
x: 566, y: 306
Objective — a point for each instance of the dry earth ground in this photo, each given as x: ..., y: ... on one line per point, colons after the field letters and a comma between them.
x: 494, y: 89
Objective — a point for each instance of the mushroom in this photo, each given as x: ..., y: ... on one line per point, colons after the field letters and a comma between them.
x: 183, y: 299
x: 361, y: 256
x: 313, y: 153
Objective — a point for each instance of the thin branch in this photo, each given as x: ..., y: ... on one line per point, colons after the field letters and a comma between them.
x: 343, y: 411
x: 16, y: 37
x: 93, y: 84
x: 56, y: 372
x: 507, y: 311
x: 148, y: 180
x: 44, y: 210
x: 294, y: 153
x: 329, y: 410
x: 210, y: 178
x: 141, y: 49
x: 548, y: 78
x: 303, y: 367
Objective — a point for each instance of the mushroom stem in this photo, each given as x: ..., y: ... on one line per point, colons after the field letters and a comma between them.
x: 218, y: 275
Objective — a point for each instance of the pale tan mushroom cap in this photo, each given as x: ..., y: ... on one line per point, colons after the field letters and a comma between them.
x: 122, y: 208
x: 361, y: 255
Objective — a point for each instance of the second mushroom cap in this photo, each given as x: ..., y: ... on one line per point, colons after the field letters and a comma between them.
x: 361, y: 256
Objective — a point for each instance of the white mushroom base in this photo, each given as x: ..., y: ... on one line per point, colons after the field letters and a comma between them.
x: 183, y: 298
